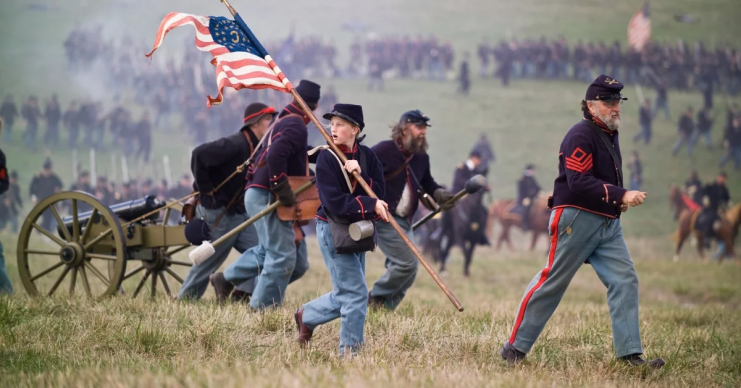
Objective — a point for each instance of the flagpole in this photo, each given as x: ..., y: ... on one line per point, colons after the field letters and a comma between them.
x: 356, y: 175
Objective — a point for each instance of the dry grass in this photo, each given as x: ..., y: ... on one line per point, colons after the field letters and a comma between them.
x: 689, y: 316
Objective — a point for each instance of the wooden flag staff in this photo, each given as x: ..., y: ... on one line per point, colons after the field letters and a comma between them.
x: 309, y: 113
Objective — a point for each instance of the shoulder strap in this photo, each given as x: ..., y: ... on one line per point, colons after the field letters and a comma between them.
x: 411, y: 172
x: 342, y: 166
x: 398, y: 171
x: 269, y: 136
x: 238, y: 194
x: 611, y: 149
x: 277, y: 120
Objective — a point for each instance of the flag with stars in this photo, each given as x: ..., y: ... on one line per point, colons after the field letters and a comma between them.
x: 240, y: 60
x: 639, y: 28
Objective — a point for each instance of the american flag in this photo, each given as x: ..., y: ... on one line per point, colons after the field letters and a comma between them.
x: 240, y: 60
x: 639, y: 28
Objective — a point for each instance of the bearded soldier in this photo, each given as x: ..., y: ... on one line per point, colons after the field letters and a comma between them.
x: 588, y: 198
x: 406, y: 169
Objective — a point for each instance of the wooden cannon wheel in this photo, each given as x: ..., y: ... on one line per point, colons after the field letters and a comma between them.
x: 155, y: 270
x: 83, y: 250
x: 155, y: 267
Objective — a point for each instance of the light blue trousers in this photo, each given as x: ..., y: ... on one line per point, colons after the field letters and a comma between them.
x: 348, y: 299
x: 273, y: 260
x: 196, y: 282
x: 578, y: 236
x: 401, y: 264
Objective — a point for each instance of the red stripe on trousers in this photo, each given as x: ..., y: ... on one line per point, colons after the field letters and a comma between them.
x: 543, y: 274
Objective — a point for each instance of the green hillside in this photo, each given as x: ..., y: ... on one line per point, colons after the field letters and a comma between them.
x: 525, y: 121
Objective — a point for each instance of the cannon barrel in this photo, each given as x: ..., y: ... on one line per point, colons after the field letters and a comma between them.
x: 125, y: 211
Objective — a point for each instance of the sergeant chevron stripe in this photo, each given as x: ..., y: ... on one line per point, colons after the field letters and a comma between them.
x: 579, y: 161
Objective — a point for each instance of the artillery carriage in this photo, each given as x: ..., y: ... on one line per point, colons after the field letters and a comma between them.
x: 118, y: 245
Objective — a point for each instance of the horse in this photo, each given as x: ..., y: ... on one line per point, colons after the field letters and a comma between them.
x: 463, y: 226
x: 733, y: 215
x: 502, y: 210
x: 687, y: 212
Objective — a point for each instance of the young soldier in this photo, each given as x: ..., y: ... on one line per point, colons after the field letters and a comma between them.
x: 343, y: 199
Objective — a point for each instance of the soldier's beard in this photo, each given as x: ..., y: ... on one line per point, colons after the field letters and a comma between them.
x: 612, y: 122
x: 413, y: 144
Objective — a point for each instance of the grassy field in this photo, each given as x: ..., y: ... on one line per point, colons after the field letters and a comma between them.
x: 689, y: 310
x: 689, y: 316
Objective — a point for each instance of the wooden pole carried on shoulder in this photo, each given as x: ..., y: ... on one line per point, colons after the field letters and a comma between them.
x: 372, y: 194
x: 310, y: 114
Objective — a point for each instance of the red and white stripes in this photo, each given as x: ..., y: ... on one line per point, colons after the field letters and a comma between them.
x: 236, y: 69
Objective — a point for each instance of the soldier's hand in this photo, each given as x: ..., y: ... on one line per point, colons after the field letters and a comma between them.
x: 352, y: 165
x: 381, y: 209
x: 634, y: 198
x: 284, y: 193
x: 623, y: 208
x: 441, y: 197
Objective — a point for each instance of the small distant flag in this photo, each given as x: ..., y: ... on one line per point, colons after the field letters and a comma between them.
x: 240, y: 60
x: 639, y: 28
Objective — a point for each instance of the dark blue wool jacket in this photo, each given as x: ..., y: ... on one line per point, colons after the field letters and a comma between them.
x: 587, y: 176
x: 391, y: 158
x: 334, y: 193
x: 286, y: 155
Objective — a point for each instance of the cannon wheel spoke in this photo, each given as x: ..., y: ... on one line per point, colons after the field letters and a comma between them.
x: 46, y: 271
x: 173, y: 274
x: 85, y: 282
x: 49, y: 234
x: 176, y: 262
x: 141, y: 283
x: 165, y: 284
x: 72, y: 282
x: 41, y: 252
x: 54, y: 211
x: 134, y: 272
x: 100, y: 256
x: 97, y: 274
x: 97, y: 239
x: 176, y: 250
x: 75, y: 221
x: 154, y: 285
x: 88, y: 225
x: 59, y: 281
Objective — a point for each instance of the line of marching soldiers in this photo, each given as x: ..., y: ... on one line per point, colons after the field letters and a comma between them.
x: 273, y: 252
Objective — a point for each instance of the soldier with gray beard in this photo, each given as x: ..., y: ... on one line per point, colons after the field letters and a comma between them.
x: 588, y: 200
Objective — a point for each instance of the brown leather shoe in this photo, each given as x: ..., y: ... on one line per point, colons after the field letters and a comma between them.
x: 222, y: 288
x: 376, y: 303
x: 304, y: 333
x: 240, y: 296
